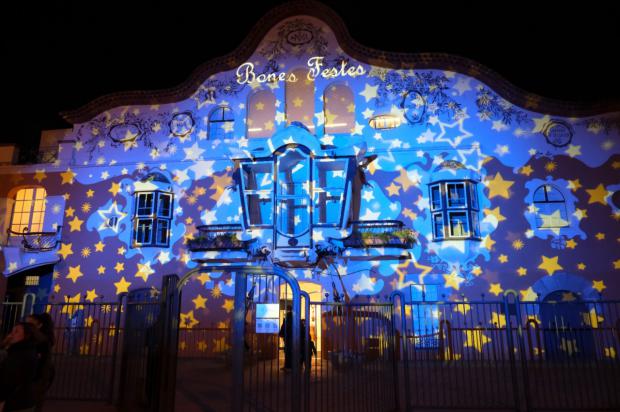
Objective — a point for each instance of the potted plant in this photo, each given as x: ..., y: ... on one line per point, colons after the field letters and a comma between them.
x: 405, y: 236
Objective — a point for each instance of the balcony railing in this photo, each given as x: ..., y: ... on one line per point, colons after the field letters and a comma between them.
x: 380, y: 233
x: 34, y: 241
x: 217, y: 237
x: 47, y: 154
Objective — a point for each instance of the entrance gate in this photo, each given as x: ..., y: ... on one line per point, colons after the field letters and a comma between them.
x: 355, y: 366
x: 352, y: 366
x: 264, y: 377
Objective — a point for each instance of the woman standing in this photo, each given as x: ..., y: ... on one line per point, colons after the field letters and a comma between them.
x: 45, y: 368
x: 18, y: 369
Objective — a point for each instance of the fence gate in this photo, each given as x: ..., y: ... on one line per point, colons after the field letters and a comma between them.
x: 355, y: 366
x: 85, y: 353
x: 269, y: 377
x: 148, y: 361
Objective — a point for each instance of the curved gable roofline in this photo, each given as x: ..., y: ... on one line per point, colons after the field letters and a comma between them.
x: 395, y: 60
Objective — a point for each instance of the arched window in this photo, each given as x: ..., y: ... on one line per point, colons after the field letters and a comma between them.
x: 339, y: 109
x: 300, y: 99
x: 29, y: 210
x: 550, y: 208
x: 221, y: 123
x: 261, y: 114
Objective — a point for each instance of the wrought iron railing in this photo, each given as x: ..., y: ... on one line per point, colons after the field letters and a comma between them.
x: 34, y: 241
x: 499, y: 354
x: 217, y: 237
x: 47, y: 154
x: 380, y: 233
x: 204, y: 343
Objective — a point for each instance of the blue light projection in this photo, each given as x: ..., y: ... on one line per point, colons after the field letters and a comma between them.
x: 354, y: 204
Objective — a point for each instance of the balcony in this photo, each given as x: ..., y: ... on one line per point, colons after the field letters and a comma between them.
x: 34, y: 241
x: 221, y: 244
x: 27, y: 250
x: 380, y: 233
x: 217, y: 238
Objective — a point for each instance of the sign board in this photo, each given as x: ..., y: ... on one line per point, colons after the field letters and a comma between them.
x: 267, y: 318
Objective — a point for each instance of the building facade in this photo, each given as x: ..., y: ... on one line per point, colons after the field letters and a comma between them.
x: 359, y: 172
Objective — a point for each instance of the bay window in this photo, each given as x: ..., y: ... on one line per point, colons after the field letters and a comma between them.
x: 454, y: 210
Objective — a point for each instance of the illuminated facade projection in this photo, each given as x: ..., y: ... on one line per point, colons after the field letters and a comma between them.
x: 355, y: 171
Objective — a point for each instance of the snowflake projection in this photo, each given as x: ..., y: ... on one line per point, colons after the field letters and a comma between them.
x: 492, y: 107
x: 438, y: 264
x: 420, y: 94
x: 559, y: 242
x: 127, y: 130
x: 468, y: 272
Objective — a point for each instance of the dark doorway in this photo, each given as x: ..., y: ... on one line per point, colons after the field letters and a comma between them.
x: 567, y: 326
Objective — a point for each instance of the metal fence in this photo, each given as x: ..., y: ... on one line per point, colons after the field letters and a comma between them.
x: 13, y: 312
x: 204, y: 343
x: 499, y: 355
x: 569, y: 354
x: 509, y: 355
x: 115, y: 352
x: 85, y: 352
x: 461, y: 355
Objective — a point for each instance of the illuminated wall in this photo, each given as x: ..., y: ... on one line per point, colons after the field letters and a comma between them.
x: 538, y: 209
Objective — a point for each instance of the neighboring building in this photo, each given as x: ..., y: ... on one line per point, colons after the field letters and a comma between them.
x: 427, y: 173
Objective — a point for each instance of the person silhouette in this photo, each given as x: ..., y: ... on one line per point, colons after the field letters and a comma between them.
x: 306, y: 359
x: 286, y: 333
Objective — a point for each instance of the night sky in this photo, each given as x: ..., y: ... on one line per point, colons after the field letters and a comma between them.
x: 61, y: 56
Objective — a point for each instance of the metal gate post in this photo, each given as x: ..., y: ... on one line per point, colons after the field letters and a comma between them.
x: 522, y: 354
x: 239, y: 331
x: 307, y: 354
x: 511, y: 352
x: 117, y: 329
x: 238, y: 334
x: 169, y: 337
x: 26, y: 306
x: 405, y: 352
x: 296, y: 367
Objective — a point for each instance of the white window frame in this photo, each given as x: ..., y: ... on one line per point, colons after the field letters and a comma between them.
x: 452, y: 235
x: 154, y: 217
x: 438, y: 185
x: 137, y: 231
x: 262, y: 194
x: 443, y: 226
x: 465, y: 190
x: 329, y: 190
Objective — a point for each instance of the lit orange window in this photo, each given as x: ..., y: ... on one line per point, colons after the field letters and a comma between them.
x: 29, y: 210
